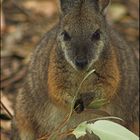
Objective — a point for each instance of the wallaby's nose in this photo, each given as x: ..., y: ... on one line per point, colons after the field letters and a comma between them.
x: 81, y: 62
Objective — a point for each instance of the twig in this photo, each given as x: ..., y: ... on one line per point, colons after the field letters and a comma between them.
x: 59, y: 127
x: 77, y: 92
x: 5, y: 108
x: 72, y: 106
x: 55, y: 129
x: 106, y: 118
x: 69, y: 132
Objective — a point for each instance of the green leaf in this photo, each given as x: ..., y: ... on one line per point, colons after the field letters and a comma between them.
x: 98, y: 103
x: 108, y: 130
x: 105, y: 130
x: 80, y: 130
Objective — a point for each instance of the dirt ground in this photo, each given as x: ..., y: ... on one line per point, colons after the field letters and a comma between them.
x: 23, y: 23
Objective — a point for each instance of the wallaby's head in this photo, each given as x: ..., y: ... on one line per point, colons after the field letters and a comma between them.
x: 83, y: 35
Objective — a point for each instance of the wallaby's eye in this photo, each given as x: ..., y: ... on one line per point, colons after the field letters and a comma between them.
x: 96, y: 35
x: 66, y: 36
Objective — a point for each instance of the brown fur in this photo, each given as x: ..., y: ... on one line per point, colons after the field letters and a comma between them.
x: 51, y: 83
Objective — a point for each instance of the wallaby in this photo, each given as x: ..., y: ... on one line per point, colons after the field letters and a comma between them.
x: 80, y: 42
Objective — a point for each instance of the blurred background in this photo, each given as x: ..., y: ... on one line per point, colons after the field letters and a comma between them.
x: 23, y: 23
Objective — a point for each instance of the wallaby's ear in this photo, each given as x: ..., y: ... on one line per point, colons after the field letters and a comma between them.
x: 62, y: 4
x: 103, y: 4
x: 65, y: 5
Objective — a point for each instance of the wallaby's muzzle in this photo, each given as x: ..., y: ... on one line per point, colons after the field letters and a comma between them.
x: 81, y: 63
